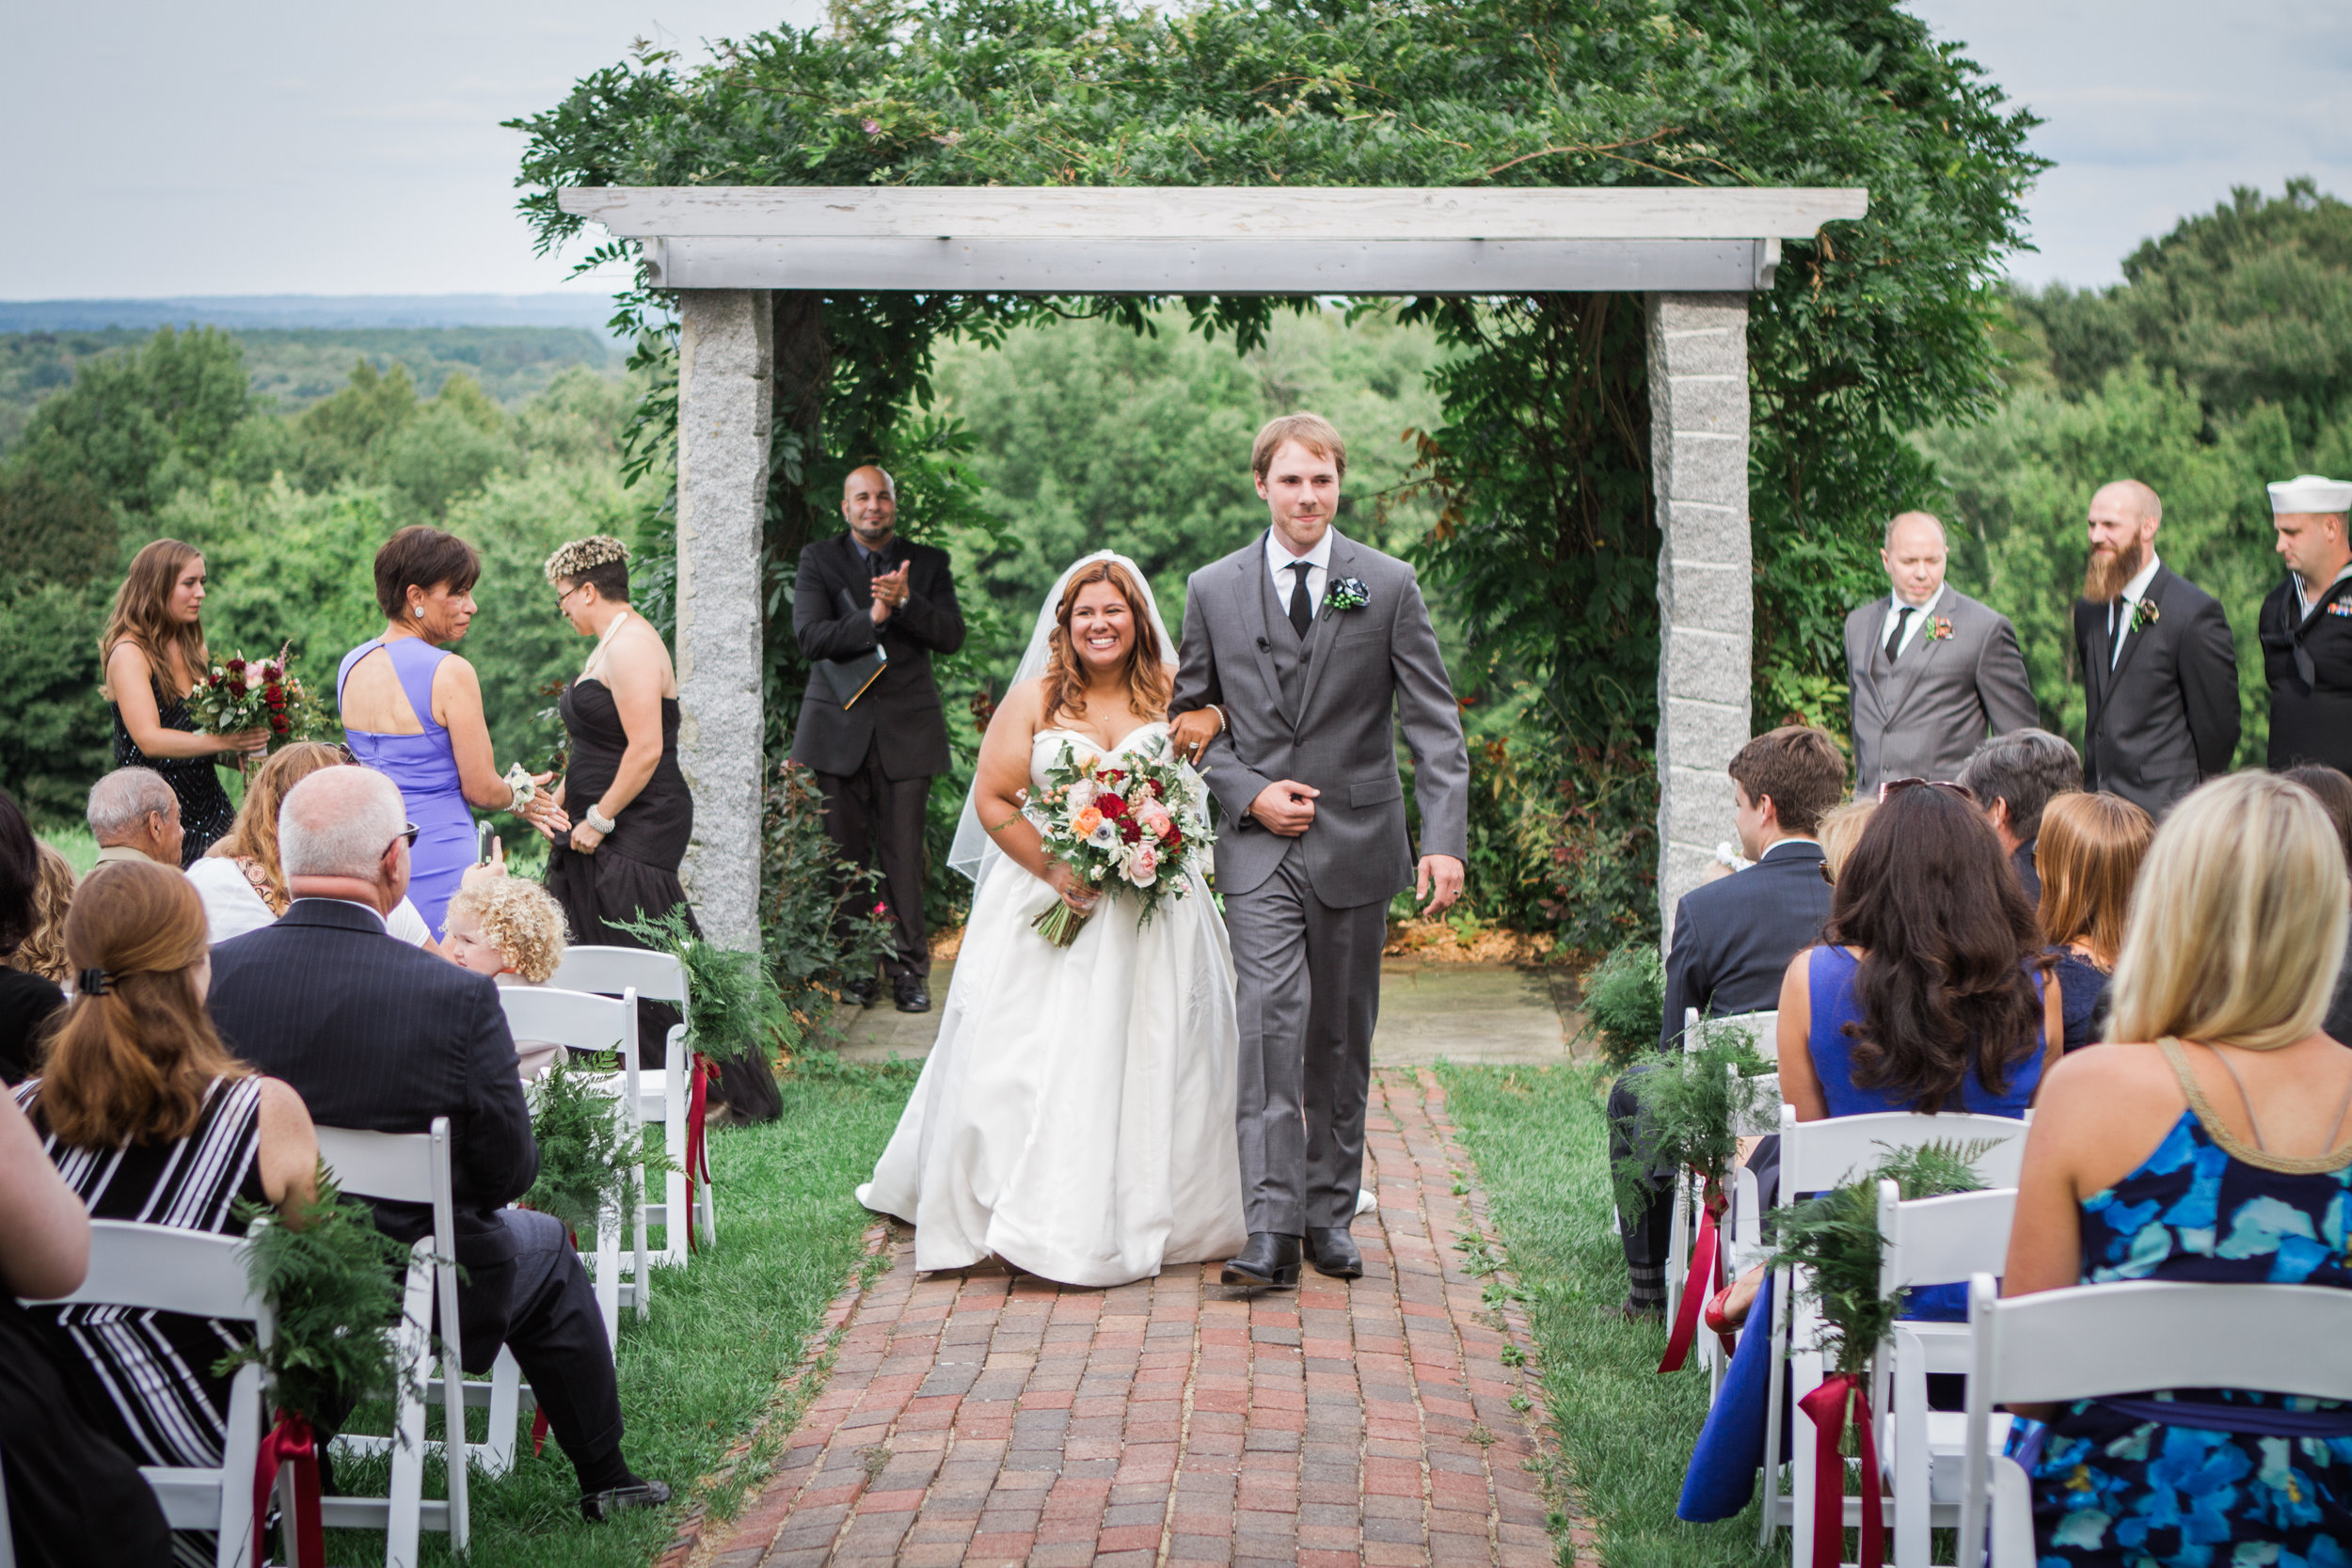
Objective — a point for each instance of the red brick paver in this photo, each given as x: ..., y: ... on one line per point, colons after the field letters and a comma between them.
x: 981, y: 1417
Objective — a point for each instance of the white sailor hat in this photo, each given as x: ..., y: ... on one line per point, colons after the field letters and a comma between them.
x: 2311, y: 493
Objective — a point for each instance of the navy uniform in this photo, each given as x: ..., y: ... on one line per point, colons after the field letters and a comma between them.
x: 2307, y: 649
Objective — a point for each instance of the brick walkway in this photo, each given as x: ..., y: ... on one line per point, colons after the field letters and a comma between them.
x: 983, y: 1418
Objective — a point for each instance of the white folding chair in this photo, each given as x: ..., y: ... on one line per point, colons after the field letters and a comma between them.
x: 1929, y: 1240
x: 2105, y: 1339
x: 1682, y: 1234
x: 411, y: 1168
x: 163, y: 1269
x: 580, y: 1021
x: 665, y: 1092
x: 1816, y: 1156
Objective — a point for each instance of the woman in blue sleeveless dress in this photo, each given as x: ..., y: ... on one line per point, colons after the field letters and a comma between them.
x: 413, y: 712
x: 2220, y: 1152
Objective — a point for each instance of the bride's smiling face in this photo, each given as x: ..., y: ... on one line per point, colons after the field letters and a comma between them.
x: 1102, y: 627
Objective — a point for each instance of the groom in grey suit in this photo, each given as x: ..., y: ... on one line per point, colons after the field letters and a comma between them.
x: 1302, y: 652
x: 1930, y: 671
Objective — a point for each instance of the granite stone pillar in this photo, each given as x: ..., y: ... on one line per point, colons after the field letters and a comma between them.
x: 1698, y: 395
x: 725, y: 395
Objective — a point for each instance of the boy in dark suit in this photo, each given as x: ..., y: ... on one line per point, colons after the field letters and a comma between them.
x: 1732, y: 942
x: 859, y: 591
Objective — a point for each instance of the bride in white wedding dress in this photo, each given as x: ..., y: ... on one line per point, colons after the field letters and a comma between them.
x: 1075, y: 1117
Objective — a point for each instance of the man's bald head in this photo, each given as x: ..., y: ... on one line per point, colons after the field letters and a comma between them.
x: 869, y: 503
x: 1913, y: 556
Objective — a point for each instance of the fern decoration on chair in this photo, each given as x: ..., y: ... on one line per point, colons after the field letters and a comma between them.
x: 1692, y: 1108
x: 587, y: 1158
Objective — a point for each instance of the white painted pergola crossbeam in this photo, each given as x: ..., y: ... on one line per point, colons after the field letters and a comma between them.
x: 1696, y: 253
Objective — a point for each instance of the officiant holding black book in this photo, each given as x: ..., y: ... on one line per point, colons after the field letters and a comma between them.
x: 869, y: 610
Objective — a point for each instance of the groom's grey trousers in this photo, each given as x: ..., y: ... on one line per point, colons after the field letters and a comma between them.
x: 1308, y: 994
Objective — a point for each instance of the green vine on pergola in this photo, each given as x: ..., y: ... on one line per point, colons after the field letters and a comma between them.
x: 1547, y: 540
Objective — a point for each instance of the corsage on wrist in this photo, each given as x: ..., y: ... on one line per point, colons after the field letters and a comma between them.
x: 597, y: 820
x: 526, y: 789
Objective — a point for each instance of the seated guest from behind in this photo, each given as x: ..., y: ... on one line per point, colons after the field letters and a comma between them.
x: 28, y: 1002
x: 2214, y: 1146
x: 1925, y: 993
x: 512, y: 930
x: 43, y: 952
x: 134, y: 817
x: 2334, y: 791
x: 2013, y: 777
x: 1732, y: 939
x: 2090, y: 853
x: 379, y: 1036
x: 1841, y: 830
x: 74, y: 1496
x: 149, y: 1117
x: 240, y: 878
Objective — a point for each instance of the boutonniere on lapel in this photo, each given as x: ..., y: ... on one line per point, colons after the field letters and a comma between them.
x: 1347, y: 593
x: 1940, y: 628
x: 2143, y: 615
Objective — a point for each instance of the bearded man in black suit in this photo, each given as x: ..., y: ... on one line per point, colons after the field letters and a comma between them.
x: 860, y: 594
x: 2157, y: 658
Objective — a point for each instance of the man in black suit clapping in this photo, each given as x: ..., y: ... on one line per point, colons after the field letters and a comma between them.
x: 1733, y: 939
x: 2158, y: 662
x: 382, y: 1037
x: 876, y: 736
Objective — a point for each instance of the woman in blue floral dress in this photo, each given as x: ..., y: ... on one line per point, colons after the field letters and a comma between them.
x: 2223, y: 1152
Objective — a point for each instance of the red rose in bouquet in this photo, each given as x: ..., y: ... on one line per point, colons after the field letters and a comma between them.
x: 255, y: 694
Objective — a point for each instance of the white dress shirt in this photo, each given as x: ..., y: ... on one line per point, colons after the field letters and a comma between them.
x: 1921, y: 615
x: 1278, y: 560
x: 2120, y: 613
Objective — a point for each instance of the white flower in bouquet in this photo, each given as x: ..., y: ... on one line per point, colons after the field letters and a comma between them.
x: 1080, y: 796
x: 1105, y: 834
x: 1143, y: 866
x: 254, y: 677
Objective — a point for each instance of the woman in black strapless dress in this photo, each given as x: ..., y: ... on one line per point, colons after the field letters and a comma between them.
x: 153, y: 654
x: 630, y: 814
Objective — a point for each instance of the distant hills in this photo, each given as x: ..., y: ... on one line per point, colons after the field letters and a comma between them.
x: 334, y: 312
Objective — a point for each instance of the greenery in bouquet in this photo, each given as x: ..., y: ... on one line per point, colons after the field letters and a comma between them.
x: 1137, y: 829
x: 332, y: 1281
x: 257, y: 694
x: 1833, y: 1237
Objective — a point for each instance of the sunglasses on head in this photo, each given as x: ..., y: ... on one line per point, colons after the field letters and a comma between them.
x: 1893, y: 787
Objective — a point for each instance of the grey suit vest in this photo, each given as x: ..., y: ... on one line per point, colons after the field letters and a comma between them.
x: 1288, y: 653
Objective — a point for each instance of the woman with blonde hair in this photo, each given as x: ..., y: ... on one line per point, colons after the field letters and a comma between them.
x: 43, y: 952
x: 153, y: 654
x: 239, y: 879
x: 510, y: 930
x: 2088, y: 856
x: 149, y: 1117
x: 2214, y: 1145
x: 1840, y: 830
x: 1075, y: 1117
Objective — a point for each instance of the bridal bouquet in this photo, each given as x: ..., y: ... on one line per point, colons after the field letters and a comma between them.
x: 255, y: 694
x: 1138, y: 827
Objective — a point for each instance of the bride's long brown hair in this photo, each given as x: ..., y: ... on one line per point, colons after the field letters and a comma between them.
x: 1149, y: 684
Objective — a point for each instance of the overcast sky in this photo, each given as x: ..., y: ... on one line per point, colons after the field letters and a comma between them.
x: 295, y: 146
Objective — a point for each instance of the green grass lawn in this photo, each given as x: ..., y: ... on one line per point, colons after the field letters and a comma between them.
x: 1540, y: 1140
x: 724, y: 1331
x: 76, y: 844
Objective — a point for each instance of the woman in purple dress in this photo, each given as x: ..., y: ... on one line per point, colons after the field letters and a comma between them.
x: 412, y: 711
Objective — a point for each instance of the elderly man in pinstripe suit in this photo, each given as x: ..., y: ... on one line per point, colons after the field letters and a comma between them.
x: 376, y: 1035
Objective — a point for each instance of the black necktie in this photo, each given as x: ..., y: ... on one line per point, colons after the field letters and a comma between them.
x: 1894, y: 639
x: 1302, y: 613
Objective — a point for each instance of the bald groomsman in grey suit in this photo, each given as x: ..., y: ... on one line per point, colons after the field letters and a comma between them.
x: 1931, y: 671
x: 1303, y: 651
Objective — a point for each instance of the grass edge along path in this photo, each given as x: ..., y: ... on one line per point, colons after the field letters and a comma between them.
x: 1621, y: 1432
x: 737, y: 1344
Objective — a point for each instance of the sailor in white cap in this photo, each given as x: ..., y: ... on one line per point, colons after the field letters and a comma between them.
x: 2306, y: 625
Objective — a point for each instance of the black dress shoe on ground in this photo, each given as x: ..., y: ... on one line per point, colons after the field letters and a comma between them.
x: 598, y: 1507
x: 1268, y: 1261
x: 1642, y: 1312
x: 1334, y: 1253
x: 860, y: 991
x: 913, y: 996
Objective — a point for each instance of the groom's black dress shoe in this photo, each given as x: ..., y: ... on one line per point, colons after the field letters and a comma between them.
x: 1268, y: 1259
x: 912, y: 995
x: 1334, y: 1252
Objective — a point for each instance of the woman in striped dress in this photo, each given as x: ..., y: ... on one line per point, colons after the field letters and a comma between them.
x: 148, y: 1117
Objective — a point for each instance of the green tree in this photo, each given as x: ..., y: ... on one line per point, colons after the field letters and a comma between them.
x: 138, y: 425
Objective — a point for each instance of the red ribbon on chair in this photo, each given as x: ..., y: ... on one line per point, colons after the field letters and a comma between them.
x: 1826, y: 1408
x: 697, y: 1141
x: 290, y: 1443
x: 1696, y: 1287
x: 538, y: 1430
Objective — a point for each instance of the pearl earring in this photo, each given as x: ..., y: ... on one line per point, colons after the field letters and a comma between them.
x: 419, y: 610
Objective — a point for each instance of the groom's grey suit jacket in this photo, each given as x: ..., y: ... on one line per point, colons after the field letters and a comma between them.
x: 1360, y: 671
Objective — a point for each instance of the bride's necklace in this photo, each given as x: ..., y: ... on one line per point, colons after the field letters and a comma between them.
x: 598, y: 652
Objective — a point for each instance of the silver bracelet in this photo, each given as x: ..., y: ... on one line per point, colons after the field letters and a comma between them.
x: 597, y: 820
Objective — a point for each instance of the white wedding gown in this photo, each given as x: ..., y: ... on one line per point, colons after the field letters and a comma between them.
x: 1076, y: 1116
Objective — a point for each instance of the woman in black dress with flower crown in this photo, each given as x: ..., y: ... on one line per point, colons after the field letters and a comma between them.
x: 631, y: 811
x: 153, y: 654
